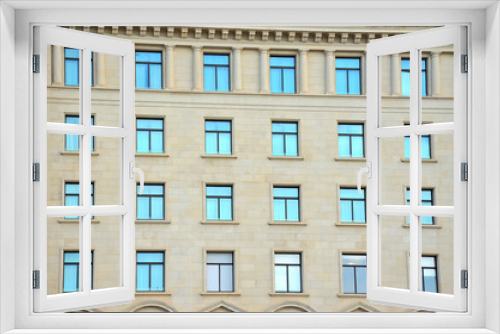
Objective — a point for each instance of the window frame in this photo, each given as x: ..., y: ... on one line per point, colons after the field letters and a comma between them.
x: 164, y: 263
x: 347, y: 75
x: 228, y: 66
x: 350, y: 135
x: 231, y: 133
x: 139, y: 48
x: 352, y: 206
x: 425, y: 60
x: 297, y: 135
x: 162, y: 119
x: 281, y: 68
x: 300, y: 221
x: 78, y: 269
x: 233, y: 274
x: 22, y: 316
x: 301, y: 271
x: 164, y: 197
x: 354, y: 253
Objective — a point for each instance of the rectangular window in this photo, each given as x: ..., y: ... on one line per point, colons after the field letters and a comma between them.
x: 287, y: 273
x: 220, y: 272
x: 150, y: 271
x: 282, y: 71
x: 354, y: 273
x: 352, y: 206
x: 218, y: 137
x: 429, y: 274
x: 72, y: 195
x: 348, y: 76
x: 425, y: 146
x: 405, y: 77
x: 216, y: 72
x: 219, y: 202
x: 427, y: 200
x: 148, y: 68
x: 72, y: 142
x: 150, y: 205
x: 285, y: 139
x: 72, y: 67
x: 71, y: 271
x: 149, y: 135
x: 351, y: 140
x: 286, y: 204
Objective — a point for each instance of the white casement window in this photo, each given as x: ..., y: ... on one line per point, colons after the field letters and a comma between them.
x: 118, y: 202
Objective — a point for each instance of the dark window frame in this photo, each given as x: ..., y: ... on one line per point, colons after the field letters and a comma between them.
x: 352, y: 204
x: 149, y: 267
x: 77, y: 265
x: 286, y: 199
x: 149, y: 133
x: 435, y: 277
x: 362, y: 135
x: 219, y: 265
x: 424, y: 59
x: 218, y: 197
x: 284, y: 134
x: 354, y: 271
x: 148, y: 64
x: 218, y: 132
x: 282, y: 68
x: 347, y: 74
x: 150, y: 206
x: 92, y: 122
x: 288, y: 272
x: 228, y: 66
x: 78, y: 72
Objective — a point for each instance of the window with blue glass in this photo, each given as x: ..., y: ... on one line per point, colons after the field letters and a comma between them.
x: 405, y: 77
x: 286, y: 205
x: 354, y: 273
x: 72, y: 142
x: 219, y: 202
x: 425, y: 146
x: 288, y: 272
x: 426, y: 200
x: 351, y: 140
x: 285, y: 139
x: 148, y: 68
x: 150, y: 273
x: 72, y: 195
x: 347, y: 76
x: 429, y: 274
x: 72, y: 67
x: 150, y: 204
x: 216, y: 73
x: 71, y: 271
x: 220, y: 272
x: 352, y: 206
x: 149, y: 135
x: 218, y: 137
x: 282, y: 74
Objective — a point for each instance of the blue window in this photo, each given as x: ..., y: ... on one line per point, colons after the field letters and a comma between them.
x: 218, y: 137
x: 72, y: 67
x: 72, y: 195
x: 429, y: 274
x: 426, y: 201
x: 351, y: 141
x: 286, y: 204
x: 149, y: 135
x: 220, y: 275
x: 354, y: 273
x: 72, y: 142
x: 285, y: 139
x: 216, y: 72
x: 71, y: 271
x: 288, y: 272
x: 347, y: 76
x: 352, y: 206
x: 425, y: 146
x: 219, y: 202
x: 282, y: 74
x: 150, y: 271
x: 150, y: 205
x: 148, y: 70
x: 405, y: 77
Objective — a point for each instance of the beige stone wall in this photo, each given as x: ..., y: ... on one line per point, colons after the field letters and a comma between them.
x: 320, y: 238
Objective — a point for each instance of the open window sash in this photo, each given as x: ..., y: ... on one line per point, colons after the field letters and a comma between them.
x: 83, y: 296
x: 412, y: 45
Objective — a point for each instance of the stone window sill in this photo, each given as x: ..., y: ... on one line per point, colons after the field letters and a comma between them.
x: 429, y: 161
x: 152, y: 221
x: 220, y: 294
x: 288, y: 294
x: 219, y: 222
x: 94, y: 154
x: 351, y: 295
x: 219, y: 156
x: 425, y: 226
x: 301, y: 223
x: 299, y: 158
x: 350, y: 159
x: 161, y: 155
x: 350, y: 224
x: 152, y: 293
x: 76, y: 221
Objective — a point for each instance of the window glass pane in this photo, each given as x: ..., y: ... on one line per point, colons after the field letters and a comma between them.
x: 344, y: 143
x: 279, y: 210
x: 276, y: 82
x: 282, y: 61
x: 70, y: 283
x: 292, y: 210
x: 155, y: 76
x: 154, y: 124
x: 280, y: 279
x: 156, y: 257
x: 346, y: 211
x: 278, y: 145
x: 212, y: 278
x: 361, y: 280
x: 223, y: 79
x: 216, y: 257
x: 285, y: 127
x: 429, y: 280
x: 428, y: 261
x: 226, y: 210
x: 359, y: 211
x: 71, y: 72
x: 357, y: 147
x: 142, y: 277
x: 341, y: 81
x: 218, y: 125
x: 289, y: 81
x: 226, y: 278
x: 157, y: 208
x: 351, y: 63
x: 346, y: 193
x: 107, y: 169
x: 394, y: 250
x: 407, y: 148
x: 354, y: 260
x: 424, y: 83
x: 70, y: 200
x: 141, y: 76
x: 71, y: 257
x: 294, y: 284
x: 216, y: 59
x: 405, y: 83
x: 156, y: 141
x: 224, y: 143
x: 219, y: 191
x: 211, y: 143
x: 209, y: 78
x: 351, y: 129
x: 157, y: 277
x: 148, y: 57
x: 354, y: 82
x: 72, y: 188
x: 284, y: 258
x: 143, y: 208
x: 212, y: 208
x: 151, y: 189
x: 348, y: 279
x: 286, y: 192
x: 291, y: 145
x: 426, y: 147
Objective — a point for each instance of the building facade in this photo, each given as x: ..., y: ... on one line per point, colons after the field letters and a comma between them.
x: 250, y: 140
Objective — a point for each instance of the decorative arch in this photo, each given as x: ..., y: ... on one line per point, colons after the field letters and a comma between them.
x: 361, y: 308
x: 291, y: 306
x: 222, y: 307
x: 152, y: 307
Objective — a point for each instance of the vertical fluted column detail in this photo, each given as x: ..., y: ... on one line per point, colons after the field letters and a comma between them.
x: 395, y: 74
x: 435, y: 74
x: 329, y: 72
x: 57, y: 65
x: 170, y: 69
x: 99, y: 69
x: 197, y: 68
x: 264, y: 70
x: 237, y: 70
x: 303, y: 72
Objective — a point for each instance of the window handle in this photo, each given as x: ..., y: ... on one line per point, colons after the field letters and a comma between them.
x: 367, y: 170
x: 139, y: 171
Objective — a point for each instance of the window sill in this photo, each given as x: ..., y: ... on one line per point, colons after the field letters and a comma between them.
x: 220, y: 294
x: 152, y: 221
x: 153, y: 293
x: 219, y: 222
x: 350, y: 224
x: 163, y: 155
x: 76, y: 221
x: 425, y: 226
x: 288, y: 294
x: 429, y: 161
x: 77, y: 153
x: 351, y: 295
x: 350, y: 159
x: 219, y: 156
x: 272, y: 157
x: 287, y: 223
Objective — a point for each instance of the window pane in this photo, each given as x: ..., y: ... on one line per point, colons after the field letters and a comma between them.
x: 141, y: 76
x: 71, y: 200
x: 211, y: 143
x: 216, y: 257
x: 292, y: 210
x: 359, y: 260
x: 224, y: 143
x: 361, y: 280
x: 346, y: 193
x: 219, y: 191
x: 405, y: 83
x: 424, y: 82
x: 218, y: 125
x: 226, y: 278
x: 278, y: 145
x: 223, y: 79
x: 341, y: 81
x: 212, y: 278
x: 294, y: 284
x: 351, y: 129
x: 279, y: 209
x: 148, y: 57
x: 72, y: 188
x: 70, y: 283
x: 357, y: 147
x: 354, y: 82
x: 155, y: 76
x: 156, y: 257
x: 216, y: 59
x: 285, y: 127
x: 209, y: 78
x: 157, y: 208
x: 143, y: 141
x: 345, y: 211
x: 280, y: 279
x: 142, y: 277
x: 407, y: 148
x: 71, y: 257
x: 286, y: 192
x: 154, y: 124
x: 426, y: 147
x: 352, y: 63
x: 276, y: 83
x: 151, y: 189
x: 359, y: 211
x: 156, y: 141
x: 212, y: 205
x: 284, y: 258
x: 157, y: 277
x: 344, y: 146
x: 71, y: 72
x: 429, y: 280
x: 348, y: 279
x: 289, y: 80
x: 291, y: 145
x: 226, y: 209
x: 428, y: 261
x: 72, y: 142
x: 282, y: 61
x: 143, y: 208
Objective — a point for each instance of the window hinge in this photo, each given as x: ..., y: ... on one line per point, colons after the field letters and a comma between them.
x: 465, y: 64
x: 36, y: 172
x: 465, y: 279
x: 36, y: 279
x: 36, y: 63
x: 464, y: 171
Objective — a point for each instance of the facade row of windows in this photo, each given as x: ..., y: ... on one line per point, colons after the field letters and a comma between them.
x: 219, y: 133
x: 217, y: 73
x: 219, y: 201
x: 220, y: 272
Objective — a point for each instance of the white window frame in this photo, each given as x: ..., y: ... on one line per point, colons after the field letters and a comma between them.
x: 483, y: 101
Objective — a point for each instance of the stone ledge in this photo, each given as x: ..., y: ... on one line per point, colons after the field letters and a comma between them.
x: 76, y: 153
x: 163, y: 155
x: 428, y: 161
x: 219, y: 222
x: 272, y: 157
x: 76, y: 221
x: 425, y: 226
x: 220, y: 294
x: 301, y: 223
x: 350, y: 159
x: 152, y: 221
x: 350, y: 224
x: 351, y: 295
x: 288, y: 294
x: 219, y: 156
